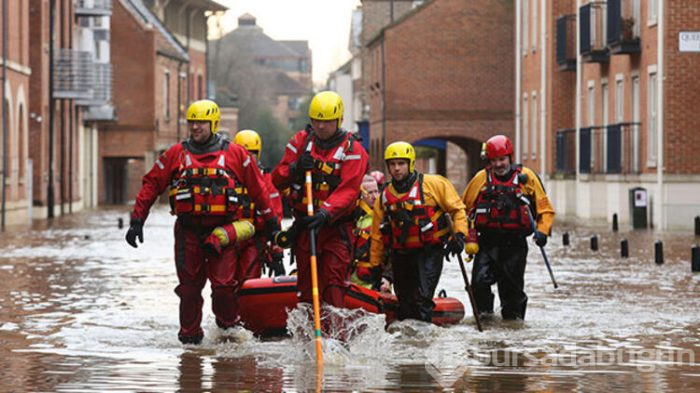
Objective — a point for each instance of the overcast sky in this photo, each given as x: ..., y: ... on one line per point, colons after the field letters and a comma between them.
x: 324, y: 23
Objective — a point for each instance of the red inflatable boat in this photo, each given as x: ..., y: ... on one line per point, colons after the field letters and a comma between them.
x: 264, y: 303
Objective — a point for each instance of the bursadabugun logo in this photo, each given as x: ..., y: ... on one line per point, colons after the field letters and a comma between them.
x: 446, y: 359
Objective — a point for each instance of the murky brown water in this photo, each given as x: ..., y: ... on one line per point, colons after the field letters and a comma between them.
x: 82, y: 311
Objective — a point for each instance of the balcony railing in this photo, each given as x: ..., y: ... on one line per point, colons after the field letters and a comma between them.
x: 566, y: 151
x: 612, y: 149
x: 92, y: 7
x: 566, y: 42
x: 73, y: 74
x: 592, y: 30
x: 100, y: 87
x: 623, y: 26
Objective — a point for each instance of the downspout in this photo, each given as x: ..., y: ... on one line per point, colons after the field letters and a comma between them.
x: 518, y: 72
x: 4, y: 113
x: 73, y: 112
x: 52, y: 109
x: 62, y: 154
x: 577, y: 98
x: 661, y: 73
x: 383, y: 100
x: 543, y: 92
x: 179, y: 99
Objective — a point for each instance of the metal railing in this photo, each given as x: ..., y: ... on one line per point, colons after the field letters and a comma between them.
x: 566, y: 42
x: 592, y: 32
x: 566, y: 151
x: 73, y: 74
x: 92, y: 7
x: 612, y: 149
x: 623, y: 26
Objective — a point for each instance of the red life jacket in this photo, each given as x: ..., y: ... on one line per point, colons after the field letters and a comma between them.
x: 501, y: 206
x: 205, y: 190
x: 409, y: 223
x: 325, y: 175
x: 247, y: 210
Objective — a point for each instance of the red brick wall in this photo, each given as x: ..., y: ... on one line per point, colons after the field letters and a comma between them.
x: 449, y: 73
x: 682, y: 91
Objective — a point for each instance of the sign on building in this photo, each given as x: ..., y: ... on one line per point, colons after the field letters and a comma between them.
x: 689, y: 41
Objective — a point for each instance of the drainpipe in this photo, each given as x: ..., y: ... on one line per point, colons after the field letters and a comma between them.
x: 543, y: 92
x: 579, y: 75
x: 52, y: 107
x: 383, y: 98
x: 4, y: 112
x: 518, y: 72
x: 661, y: 74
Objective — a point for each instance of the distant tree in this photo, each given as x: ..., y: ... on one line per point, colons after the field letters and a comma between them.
x: 274, y: 136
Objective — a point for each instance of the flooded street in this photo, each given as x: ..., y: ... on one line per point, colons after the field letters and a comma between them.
x: 80, y: 310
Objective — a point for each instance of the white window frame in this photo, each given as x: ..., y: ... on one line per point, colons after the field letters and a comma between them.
x: 535, y: 34
x: 533, y: 122
x: 526, y: 25
x: 636, y: 118
x: 652, y: 12
x: 591, y: 103
x: 619, y: 98
x: 605, y: 113
x: 525, y: 127
x: 652, y: 115
x: 166, y: 94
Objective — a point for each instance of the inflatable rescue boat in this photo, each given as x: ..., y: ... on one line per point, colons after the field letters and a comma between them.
x: 264, y: 303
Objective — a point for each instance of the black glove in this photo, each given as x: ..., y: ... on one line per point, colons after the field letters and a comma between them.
x: 135, y: 231
x: 456, y: 245
x: 275, y: 266
x: 272, y: 225
x: 316, y: 221
x: 540, y: 239
x: 305, y: 162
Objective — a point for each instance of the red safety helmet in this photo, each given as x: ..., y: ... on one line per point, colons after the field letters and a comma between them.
x: 378, y: 176
x: 499, y: 146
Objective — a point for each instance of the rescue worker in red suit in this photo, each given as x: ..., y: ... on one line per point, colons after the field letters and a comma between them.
x: 409, y: 225
x: 258, y: 251
x: 337, y: 162
x: 203, y: 173
x: 500, y: 200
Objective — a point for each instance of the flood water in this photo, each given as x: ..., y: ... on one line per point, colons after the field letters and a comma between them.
x: 80, y: 310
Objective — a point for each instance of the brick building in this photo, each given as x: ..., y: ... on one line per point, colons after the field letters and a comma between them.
x: 155, y: 87
x: 15, y: 116
x: 442, y: 70
x: 262, y: 71
x: 616, y: 114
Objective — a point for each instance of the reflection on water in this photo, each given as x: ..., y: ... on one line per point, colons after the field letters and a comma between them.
x: 82, y: 311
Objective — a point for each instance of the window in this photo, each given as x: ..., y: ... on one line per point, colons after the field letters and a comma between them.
x: 200, y: 87
x: 605, y: 106
x: 619, y: 100
x: 166, y: 95
x: 652, y: 9
x: 534, y: 25
x: 651, y: 120
x: 533, y: 133
x: 526, y: 25
x: 525, y: 128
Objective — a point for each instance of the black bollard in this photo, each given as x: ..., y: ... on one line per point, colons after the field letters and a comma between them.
x: 120, y: 223
x: 565, y: 239
x: 624, y: 249
x: 659, y: 252
x: 594, y: 243
x: 695, y: 258
x: 615, y: 226
x: 697, y: 225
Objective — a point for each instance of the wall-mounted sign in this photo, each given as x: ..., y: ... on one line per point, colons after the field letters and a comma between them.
x: 689, y: 41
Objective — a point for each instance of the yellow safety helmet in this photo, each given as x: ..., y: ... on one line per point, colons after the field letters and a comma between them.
x: 250, y: 140
x: 402, y: 150
x: 205, y: 110
x: 327, y: 105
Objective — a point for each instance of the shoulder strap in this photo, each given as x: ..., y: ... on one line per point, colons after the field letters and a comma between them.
x: 420, y: 188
